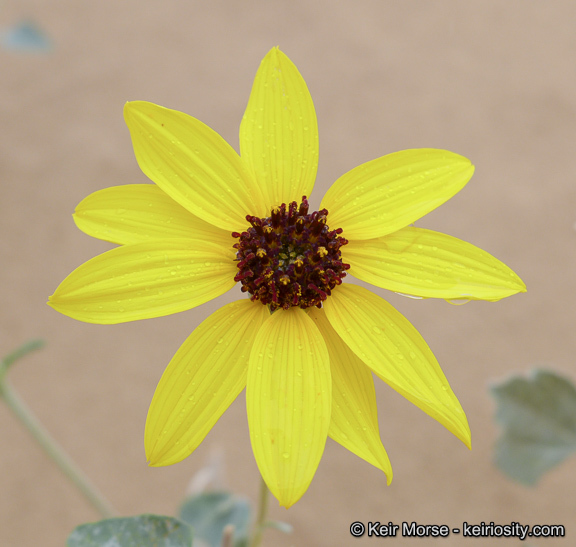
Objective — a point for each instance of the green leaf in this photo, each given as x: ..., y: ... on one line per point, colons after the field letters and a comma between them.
x: 210, y: 512
x: 139, y: 531
x: 539, y: 419
x: 25, y: 36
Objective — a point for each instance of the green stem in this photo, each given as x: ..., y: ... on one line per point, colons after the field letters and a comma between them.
x: 53, y: 450
x: 31, y: 345
x: 262, y: 514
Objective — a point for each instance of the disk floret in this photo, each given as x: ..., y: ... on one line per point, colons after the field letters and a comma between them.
x: 290, y: 258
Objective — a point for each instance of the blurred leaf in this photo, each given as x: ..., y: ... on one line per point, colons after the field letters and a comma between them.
x: 210, y: 512
x: 25, y: 36
x: 139, y: 531
x: 539, y: 419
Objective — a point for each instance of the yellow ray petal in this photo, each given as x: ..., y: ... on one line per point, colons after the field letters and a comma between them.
x: 354, y: 421
x: 279, y: 132
x: 136, y: 213
x: 203, y: 378
x: 193, y: 164
x: 386, y: 194
x: 288, y: 400
x: 387, y: 342
x: 145, y: 280
x: 430, y: 264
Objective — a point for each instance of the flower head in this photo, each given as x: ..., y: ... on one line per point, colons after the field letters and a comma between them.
x: 304, y: 344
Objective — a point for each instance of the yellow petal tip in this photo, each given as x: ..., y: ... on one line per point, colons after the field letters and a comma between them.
x: 131, y: 109
x: 467, y: 440
x: 155, y: 458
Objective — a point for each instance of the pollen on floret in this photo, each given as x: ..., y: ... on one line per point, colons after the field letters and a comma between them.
x: 290, y: 258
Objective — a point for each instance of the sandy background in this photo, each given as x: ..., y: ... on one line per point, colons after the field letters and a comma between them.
x: 492, y: 80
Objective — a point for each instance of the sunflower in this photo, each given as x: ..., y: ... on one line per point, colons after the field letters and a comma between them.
x: 304, y: 344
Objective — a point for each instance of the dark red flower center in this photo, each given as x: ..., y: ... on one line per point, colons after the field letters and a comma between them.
x: 290, y: 258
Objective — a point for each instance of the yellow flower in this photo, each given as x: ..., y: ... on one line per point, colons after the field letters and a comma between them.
x: 215, y: 218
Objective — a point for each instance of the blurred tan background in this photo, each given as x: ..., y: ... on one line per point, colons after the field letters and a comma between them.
x: 492, y: 80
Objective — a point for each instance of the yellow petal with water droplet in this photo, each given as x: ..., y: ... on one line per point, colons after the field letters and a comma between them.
x: 354, y: 421
x: 391, y: 192
x: 135, y: 213
x: 288, y: 400
x: 388, y: 343
x: 193, y: 164
x: 279, y: 132
x: 430, y: 264
x: 203, y: 378
x: 145, y: 280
